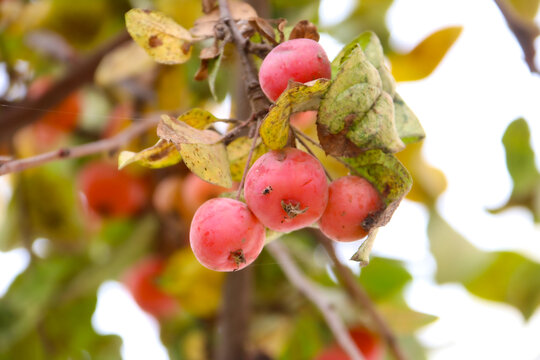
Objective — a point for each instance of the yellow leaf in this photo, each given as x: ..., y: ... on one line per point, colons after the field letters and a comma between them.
x: 428, y: 182
x: 202, y: 151
x: 298, y: 97
x: 238, y: 152
x: 425, y: 57
x: 162, y: 38
x: 161, y: 155
x: 197, y: 288
x: 525, y: 8
x: 126, y: 61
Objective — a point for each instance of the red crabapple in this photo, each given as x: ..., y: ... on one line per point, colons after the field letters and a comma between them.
x: 225, y: 235
x: 112, y: 192
x: 286, y: 189
x: 142, y: 282
x: 301, y: 60
x: 369, y: 344
x: 351, y: 200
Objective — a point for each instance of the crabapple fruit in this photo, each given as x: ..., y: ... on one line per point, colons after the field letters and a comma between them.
x: 112, y: 192
x: 225, y: 235
x: 368, y: 343
x: 301, y: 60
x: 286, y: 189
x: 351, y: 201
x: 142, y: 282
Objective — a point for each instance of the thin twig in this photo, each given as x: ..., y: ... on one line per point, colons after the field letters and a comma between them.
x: 295, y: 276
x: 358, y: 294
x: 295, y: 132
x: 524, y: 31
x: 105, y: 145
x: 250, y: 155
x: 258, y: 101
x: 24, y: 113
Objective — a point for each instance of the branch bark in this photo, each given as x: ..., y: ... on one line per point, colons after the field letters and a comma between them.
x: 28, y: 111
x: 105, y: 145
x: 524, y: 31
x: 358, y: 294
x: 295, y: 276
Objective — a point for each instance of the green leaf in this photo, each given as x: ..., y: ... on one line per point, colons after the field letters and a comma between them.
x: 520, y: 161
x: 457, y: 259
x: 408, y: 127
x: 298, y: 97
x: 44, y: 204
x: 162, y: 38
x: 424, y: 58
x: 213, y: 71
x: 202, y: 151
x: 401, y: 318
x: 238, y: 152
x: 407, y: 124
x: 161, y: 155
x: 384, y: 278
x: 510, y: 278
x: 356, y: 114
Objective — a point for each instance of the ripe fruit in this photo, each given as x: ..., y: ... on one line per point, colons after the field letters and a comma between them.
x: 350, y: 202
x: 195, y: 192
x: 301, y: 60
x: 142, y: 282
x: 303, y: 120
x: 286, y: 189
x: 225, y: 235
x: 368, y: 343
x: 112, y: 192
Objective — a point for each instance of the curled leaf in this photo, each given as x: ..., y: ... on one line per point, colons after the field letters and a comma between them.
x: 162, y: 38
x: 304, y: 29
x: 161, y: 155
x: 298, y: 97
x: 202, y: 151
x: 204, y: 26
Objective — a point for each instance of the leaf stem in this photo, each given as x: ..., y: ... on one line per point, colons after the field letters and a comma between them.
x: 297, y: 131
x: 248, y: 161
x: 309, y: 151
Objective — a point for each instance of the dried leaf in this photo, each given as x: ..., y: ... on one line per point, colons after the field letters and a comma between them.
x: 265, y: 29
x: 208, y: 6
x: 298, y: 97
x: 202, y: 151
x: 162, y: 38
x: 204, y: 26
x: 304, y: 29
x: 123, y: 63
x: 161, y: 155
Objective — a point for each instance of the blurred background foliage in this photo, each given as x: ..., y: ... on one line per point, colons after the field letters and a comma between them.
x: 46, y: 312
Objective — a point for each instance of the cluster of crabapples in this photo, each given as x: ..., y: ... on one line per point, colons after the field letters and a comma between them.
x: 285, y: 190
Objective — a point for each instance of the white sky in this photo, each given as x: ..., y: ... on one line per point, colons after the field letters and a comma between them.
x: 464, y: 106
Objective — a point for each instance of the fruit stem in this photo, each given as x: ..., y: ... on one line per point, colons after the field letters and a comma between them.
x: 248, y: 161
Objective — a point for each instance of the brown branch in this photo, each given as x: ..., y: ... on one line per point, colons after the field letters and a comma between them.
x: 358, y: 294
x: 105, y: 145
x: 235, y: 316
x: 295, y: 276
x: 524, y: 31
x: 30, y: 110
x: 258, y: 101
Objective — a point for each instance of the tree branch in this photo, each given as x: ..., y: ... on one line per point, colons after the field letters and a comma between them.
x: 358, y: 294
x: 27, y: 111
x: 111, y: 144
x: 295, y: 276
x: 258, y: 101
x: 524, y: 31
